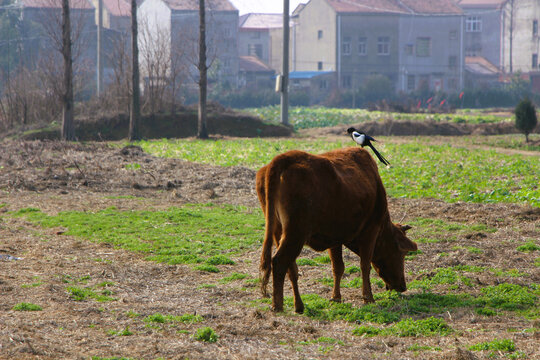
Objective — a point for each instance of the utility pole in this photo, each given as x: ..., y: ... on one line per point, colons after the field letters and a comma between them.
x: 511, y: 34
x: 135, y: 112
x: 68, y: 128
x: 202, y: 131
x: 100, y: 49
x: 285, y: 66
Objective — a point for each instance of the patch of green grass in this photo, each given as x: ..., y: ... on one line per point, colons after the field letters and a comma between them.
x: 430, y: 326
x: 86, y: 293
x: 529, y: 246
x: 207, y: 268
x: 206, y: 334
x: 306, y: 262
x: 133, y: 166
x: 421, y: 170
x: 124, y: 332
x: 159, y: 318
x: 219, y: 260
x: 428, y: 230
x: 441, y: 276
x: 324, y: 259
x: 186, y: 235
x: 537, y: 262
x: 233, y: 277
x: 506, y: 345
x: 511, y: 297
x: 24, y: 306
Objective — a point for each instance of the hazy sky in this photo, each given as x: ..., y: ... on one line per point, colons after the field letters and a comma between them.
x: 264, y: 6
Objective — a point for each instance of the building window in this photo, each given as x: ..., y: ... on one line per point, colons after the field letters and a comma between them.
x: 411, y: 82
x: 452, y: 62
x: 319, y: 65
x: 534, y: 61
x: 346, y: 81
x: 383, y: 45
x: 255, y: 50
x: 409, y: 48
x: 473, y: 24
x: 362, y: 46
x: 453, y: 35
x: 346, y: 46
x: 323, y: 84
x: 535, y: 28
x: 319, y: 34
x: 423, y: 47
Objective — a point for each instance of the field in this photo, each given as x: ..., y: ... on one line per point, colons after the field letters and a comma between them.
x: 151, y: 251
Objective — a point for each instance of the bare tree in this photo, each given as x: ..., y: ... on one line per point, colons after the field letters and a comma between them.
x: 68, y: 128
x: 135, y: 112
x: 202, y: 132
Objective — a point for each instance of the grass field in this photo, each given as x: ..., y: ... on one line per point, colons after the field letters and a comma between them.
x: 109, y: 270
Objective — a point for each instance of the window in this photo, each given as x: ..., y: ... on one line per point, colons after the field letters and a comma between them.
x: 255, y: 50
x: 411, y: 82
x: 323, y: 84
x: 409, y: 48
x: 362, y: 46
x: 383, y: 45
x: 534, y: 61
x: 473, y: 24
x: 423, y: 47
x: 453, y: 35
x: 346, y: 81
x: 319, y: 65
x: 346, y: 46
x: 452, y: 62
x: 535, y: 28
x: 319, y: 34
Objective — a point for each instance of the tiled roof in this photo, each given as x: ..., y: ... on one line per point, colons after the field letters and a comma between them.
x: 56, y: 4
x: 216, y: 5
x: 436, y: 7
x: 253, y: 64
x: 261, y: 21
x: 482, y: 4
x: 480, y: 65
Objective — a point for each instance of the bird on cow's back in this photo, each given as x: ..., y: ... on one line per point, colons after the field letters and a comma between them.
x: 364, y: 139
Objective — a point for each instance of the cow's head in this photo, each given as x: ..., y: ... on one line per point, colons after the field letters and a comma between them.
x: 389, y: 256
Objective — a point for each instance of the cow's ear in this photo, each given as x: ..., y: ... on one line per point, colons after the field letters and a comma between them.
x: 405, y: 227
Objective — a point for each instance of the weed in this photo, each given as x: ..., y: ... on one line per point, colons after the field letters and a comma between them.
x: 132, y: 314
x: 233, y: 277
x: 207, y: 268
x: 529, y: 246
x: 206, y: 334
x: 219, y: 260
x: 408, y: 328
x: 325, y: 259
x: 82, y: 294
x: 24, y: 306
x: 163, y: 319
x: 306, y: 262
x: 125, y: 332
x: 497, y: 345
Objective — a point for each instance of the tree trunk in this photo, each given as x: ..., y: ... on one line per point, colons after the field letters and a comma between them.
x: 68, y: 129
x: 202, y: 132
x: 135, y: 111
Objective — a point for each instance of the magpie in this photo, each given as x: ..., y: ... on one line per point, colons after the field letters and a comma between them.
x: 363, y: 139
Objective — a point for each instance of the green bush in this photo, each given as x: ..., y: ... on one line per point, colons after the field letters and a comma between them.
x: 526, y: 117
x: 206, y: 334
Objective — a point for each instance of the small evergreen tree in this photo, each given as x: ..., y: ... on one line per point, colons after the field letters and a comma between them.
x: 526, y: 117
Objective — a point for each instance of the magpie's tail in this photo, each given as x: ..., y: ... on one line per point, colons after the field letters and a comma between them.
x: 381, y: 158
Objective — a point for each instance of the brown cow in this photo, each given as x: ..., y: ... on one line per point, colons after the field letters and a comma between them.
x: 326, y: 201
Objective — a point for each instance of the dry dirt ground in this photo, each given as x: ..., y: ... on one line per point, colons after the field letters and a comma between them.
x: 55, y: 176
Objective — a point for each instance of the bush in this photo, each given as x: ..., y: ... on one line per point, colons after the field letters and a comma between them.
x: 526, y: 117
x: 206, y: 334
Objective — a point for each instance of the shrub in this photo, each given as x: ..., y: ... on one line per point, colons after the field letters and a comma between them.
x: 206, y: 334
x: 526, y: 117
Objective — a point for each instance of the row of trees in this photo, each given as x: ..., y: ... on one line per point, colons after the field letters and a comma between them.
x: 47, y: 86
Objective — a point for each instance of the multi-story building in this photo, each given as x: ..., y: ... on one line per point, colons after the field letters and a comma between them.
x: 415, y: 43
x: 261, y: 35
x: 170, y: 28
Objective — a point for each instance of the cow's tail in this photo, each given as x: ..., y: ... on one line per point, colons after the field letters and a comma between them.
x: 265, y: 266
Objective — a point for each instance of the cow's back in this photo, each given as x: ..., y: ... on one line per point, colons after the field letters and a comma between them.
x: 327, y: 198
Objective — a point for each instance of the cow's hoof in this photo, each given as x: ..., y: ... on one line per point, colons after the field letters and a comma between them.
x: 299, y: 309
x: 277, y: 309
x: 369, y: 300
x: 336, y: 300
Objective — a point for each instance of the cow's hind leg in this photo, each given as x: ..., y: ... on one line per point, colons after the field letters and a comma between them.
x: 336, y: 255
x: 293, y: 276
x: 283, y: 261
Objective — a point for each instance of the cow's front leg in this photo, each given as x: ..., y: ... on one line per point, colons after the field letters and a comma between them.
x: 336, y: 255
x: 365, y: 266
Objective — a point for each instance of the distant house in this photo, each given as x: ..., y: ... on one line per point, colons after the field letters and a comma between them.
x: 116, y: 14
x: 316, y: 84
x: 415, y: 43
x: 504, y: 32
x: 261, y: 35
x: 253, y: 73
x: 170, y: 29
